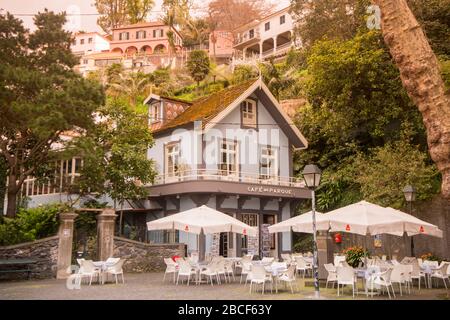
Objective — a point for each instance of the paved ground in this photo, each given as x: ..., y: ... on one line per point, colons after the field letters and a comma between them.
x: 150, y: 286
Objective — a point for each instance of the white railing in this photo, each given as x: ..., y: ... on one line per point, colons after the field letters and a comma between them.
x: 247, y: 36
x: 233, y: 176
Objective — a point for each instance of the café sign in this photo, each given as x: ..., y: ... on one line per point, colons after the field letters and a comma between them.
x: 263, y: 189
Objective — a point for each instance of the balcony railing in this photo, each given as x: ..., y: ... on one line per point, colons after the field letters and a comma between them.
x: 247, y: 36
x: 233, y: 176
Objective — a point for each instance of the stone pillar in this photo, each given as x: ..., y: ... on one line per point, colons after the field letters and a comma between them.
x: 105, y: 233
x: 65, y: 234
x: 325, y: 254
x: 274, y: 44
x: 260, y: 50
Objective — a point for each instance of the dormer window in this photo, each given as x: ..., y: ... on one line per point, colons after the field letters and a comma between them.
x: 154, y: 112
x: 248, y: 113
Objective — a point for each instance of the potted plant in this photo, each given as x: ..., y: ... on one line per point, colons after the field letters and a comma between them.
x: 354, y: 255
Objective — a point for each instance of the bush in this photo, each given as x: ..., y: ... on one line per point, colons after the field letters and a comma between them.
x: 30, y: 224
x: 430, y: 257
x: 305, y: 244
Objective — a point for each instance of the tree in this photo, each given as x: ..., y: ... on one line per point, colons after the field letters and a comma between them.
x: 331, y: 19
x: 137, y: 10
x: 421, y: 76
x: 112, y: 14
x: 356, y: 101
x: 41, y: 97
x: 114, y: 153
x: 131, y: 85
x: 231, y: 14
x: 115, y: 13
x: 198, y: 65
x: 384, y: 172
x: 434, y: 17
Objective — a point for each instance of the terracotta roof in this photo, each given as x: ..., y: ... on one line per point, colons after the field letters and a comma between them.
x: 141, y: 24
x: 208, y: 107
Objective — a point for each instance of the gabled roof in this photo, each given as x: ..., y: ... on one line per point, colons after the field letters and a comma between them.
x: 206, y: 108
x: 213, y: 108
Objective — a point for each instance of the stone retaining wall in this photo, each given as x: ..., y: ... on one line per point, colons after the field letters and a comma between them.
x: 45, y: 251
x: 145, y: 257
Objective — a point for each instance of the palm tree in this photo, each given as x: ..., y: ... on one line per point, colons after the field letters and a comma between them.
x: 421, y: 76
x: 132, y: 85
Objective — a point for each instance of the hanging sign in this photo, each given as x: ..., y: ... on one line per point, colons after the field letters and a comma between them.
x: 337, y: 238
x: 377, y: 243
x: 421, y: 229
x: 347, y: 228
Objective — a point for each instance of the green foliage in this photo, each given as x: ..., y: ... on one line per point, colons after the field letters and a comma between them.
x: 354, y: 255
x: 434, y: 17
x: 304, y: 244
x: 243, y: 73
x: 40, y: 95
x: 357, y: 101
x: 198, y: 65
x: 115, y: 154
x: 328, y: 19
x: 192, y: 92
x: 30, y: 225
x: 383, y: 173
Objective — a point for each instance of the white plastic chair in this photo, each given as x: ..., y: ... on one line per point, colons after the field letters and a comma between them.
x: 171, y: 267
x: 346, y: 277
x: 259, y: 276
x: 417, y: 273
x: 88, y: 269
x: 384, y: 280
x: 441, y: 273
x: 289, y: 277
x: 286, y: 258
x: 185, y: 270
x: 332, y: 273
x: 302, y: 265
x: 246, y: 271
x: 210, y: 272
x: 397, y: 276
x: 229, y: 270
x: 115, y: 270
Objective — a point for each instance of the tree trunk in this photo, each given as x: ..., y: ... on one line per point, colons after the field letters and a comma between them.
x: 421, y: 76
x: 12, y: 202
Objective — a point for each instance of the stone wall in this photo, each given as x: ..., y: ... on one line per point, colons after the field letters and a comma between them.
x: 44, y: 251
x: 145, y: 257
x: 215, y: 245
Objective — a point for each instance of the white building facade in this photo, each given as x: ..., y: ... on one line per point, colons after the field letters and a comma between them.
x: 271, y: 36
x: 89, y: 42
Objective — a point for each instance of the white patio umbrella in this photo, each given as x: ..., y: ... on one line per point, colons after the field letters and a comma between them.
x: 414, y: 226
x: 301, y: 223
x: 201, y: 219
x: 365, y: 218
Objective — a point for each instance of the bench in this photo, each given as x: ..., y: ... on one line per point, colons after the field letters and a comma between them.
x: 25, y: 263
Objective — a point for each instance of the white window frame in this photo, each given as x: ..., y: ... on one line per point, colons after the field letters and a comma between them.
x: 231, y: 149
x: 172, y: 150
x: 269, y: 170
x: 154, y: 113
x: 248, y: 114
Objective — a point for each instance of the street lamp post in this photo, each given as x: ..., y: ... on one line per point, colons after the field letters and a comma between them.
x: 410, y: 196
x: 311, y: 175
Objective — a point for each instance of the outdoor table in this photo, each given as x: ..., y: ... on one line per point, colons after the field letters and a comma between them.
x: 369, y: 274
x: 102, y: 266
x: 274, y: 270
x: 428, y: 270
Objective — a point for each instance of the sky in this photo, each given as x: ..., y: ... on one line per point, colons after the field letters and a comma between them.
x: 86, y: 23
